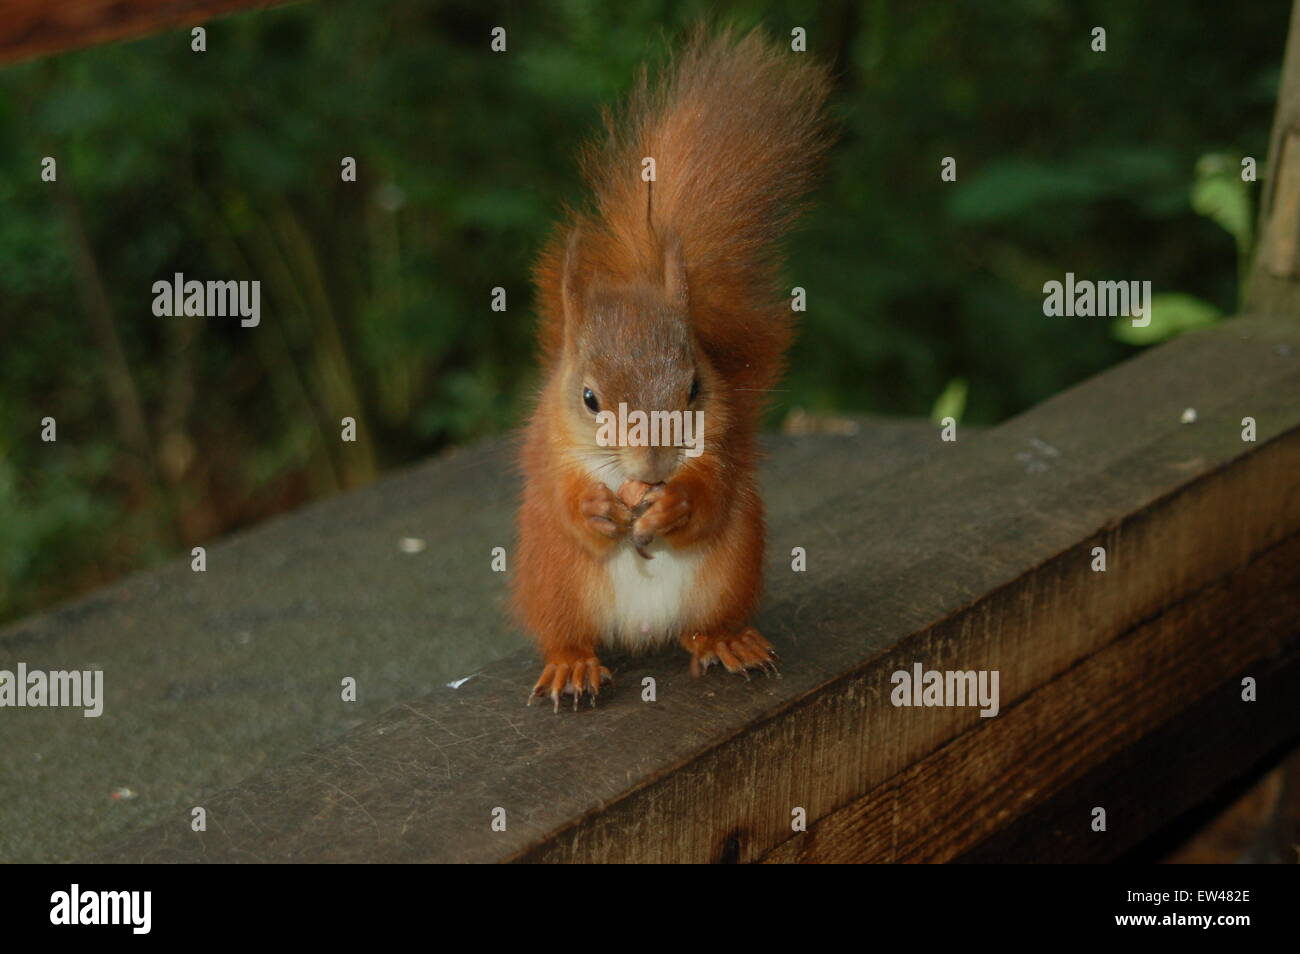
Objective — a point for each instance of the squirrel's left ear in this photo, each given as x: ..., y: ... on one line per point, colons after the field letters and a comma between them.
x: 675, y: 272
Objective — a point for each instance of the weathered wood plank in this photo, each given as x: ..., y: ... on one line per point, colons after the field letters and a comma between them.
x: 1028, y: 770
x: 242, y: 663
x: 1219, y: 740
x: 978, y: 559
x: 31, y: 28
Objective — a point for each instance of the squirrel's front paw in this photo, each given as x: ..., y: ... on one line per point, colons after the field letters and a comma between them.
x: 577, y: 674
x: 665, y: 509
x: 604, y: 512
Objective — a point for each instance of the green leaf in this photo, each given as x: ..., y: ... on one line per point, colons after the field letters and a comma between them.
x: 1171, y: 314
x: 1220, y: 195
x: 951, y: 403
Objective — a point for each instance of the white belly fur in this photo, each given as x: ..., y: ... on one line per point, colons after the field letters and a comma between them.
x: 651, y: 598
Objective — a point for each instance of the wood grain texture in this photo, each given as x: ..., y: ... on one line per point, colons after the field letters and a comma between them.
x: 31, y: 28
x: 1022, y: 782
x: 977, y: 558
x: 210, y: 677
x: 1168, y: 773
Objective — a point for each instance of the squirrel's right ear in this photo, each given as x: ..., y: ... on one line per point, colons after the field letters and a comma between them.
x: 675, y: 285
x: 571, y: 278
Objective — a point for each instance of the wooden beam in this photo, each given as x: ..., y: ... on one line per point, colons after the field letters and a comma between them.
x: 30, y: 28
x: 1218, y: 739
x: 1023, y: 787
x: 977, y: 559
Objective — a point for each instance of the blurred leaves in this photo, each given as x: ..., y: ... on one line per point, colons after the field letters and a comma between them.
x: 951, y: 403
x: 1220, y: 195
x: 375, y: 294
x: 1171, y: 314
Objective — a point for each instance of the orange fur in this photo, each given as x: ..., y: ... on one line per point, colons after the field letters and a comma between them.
x: 651, y: 288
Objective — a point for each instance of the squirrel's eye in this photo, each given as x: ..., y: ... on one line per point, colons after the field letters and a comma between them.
x: 695, y: 390
x: 589, y: 399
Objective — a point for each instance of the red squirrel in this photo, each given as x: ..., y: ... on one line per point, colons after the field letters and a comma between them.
x: 663, y: 297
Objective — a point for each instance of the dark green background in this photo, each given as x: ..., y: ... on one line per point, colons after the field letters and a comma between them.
x: 225, y: 164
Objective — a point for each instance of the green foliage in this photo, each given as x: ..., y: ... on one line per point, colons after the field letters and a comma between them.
x: 1171, y: 314
x: 1221, y: 195
x: 951, y: 403
x: 375, y: 294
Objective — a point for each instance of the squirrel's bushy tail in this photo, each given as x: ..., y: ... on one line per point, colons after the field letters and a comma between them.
x: 736, y: 130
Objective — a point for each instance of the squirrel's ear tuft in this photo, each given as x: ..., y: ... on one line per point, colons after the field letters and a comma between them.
x: 571, y: 280
x: 675, y: 273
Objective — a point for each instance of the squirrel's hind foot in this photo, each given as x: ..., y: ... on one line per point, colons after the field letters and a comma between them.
x: 738, y: 652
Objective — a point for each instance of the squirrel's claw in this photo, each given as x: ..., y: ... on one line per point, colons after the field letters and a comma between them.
x: 662, y: 510
x: 739, y: 653
x: 604, y: 512
x: 583, y: 676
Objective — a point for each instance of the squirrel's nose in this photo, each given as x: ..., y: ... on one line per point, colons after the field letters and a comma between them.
x: 653, y: 465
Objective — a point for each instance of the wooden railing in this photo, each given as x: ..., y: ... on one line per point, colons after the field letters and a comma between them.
x: 978, y: 558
